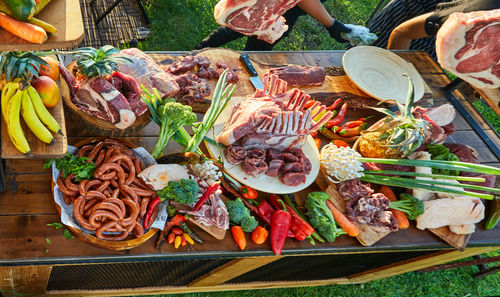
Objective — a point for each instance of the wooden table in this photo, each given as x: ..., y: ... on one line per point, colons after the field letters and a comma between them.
x: 29, y: 265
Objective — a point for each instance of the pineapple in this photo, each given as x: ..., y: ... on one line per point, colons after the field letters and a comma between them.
x: 399, y: 134
x: 92, y: 62
x: 20, y: 65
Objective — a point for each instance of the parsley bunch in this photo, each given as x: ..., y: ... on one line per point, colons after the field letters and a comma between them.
x: 70, y: 164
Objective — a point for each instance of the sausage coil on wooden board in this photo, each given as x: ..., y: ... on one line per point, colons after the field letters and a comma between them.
x: 116, y: 199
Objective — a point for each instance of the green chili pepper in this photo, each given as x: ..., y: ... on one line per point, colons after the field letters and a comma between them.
x: 494, y: 214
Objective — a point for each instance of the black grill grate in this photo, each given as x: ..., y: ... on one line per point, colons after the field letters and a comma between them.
x: 306, y: 268
x: 130, y: 275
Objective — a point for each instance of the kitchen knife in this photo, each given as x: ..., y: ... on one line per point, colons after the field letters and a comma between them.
x: 254, y: 76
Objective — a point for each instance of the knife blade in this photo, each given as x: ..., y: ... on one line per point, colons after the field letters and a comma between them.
x: 254, y: 76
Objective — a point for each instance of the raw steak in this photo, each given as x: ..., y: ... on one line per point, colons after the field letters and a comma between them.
x: 128, y: 86
x: 468, y: 45
x: 147, y: 72
x: 262, y: 18
x: 300, y: 76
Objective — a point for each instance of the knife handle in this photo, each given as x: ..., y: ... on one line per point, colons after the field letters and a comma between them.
x: 248, y: 65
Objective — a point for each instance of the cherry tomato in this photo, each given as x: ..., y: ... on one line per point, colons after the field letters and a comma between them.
x: 340, y: 143
x: 248, y: 193
x: 318, y: 142
x: 177, y: 231
x: 314, y: 134
x: 309, y: 103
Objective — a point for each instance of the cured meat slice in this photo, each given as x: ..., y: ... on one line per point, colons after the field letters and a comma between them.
x: 468, y: 45
x: 296, y: 75
x: 262, y: 18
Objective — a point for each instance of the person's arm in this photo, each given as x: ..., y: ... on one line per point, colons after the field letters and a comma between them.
x: 316, y: 10
x: 403, y: 34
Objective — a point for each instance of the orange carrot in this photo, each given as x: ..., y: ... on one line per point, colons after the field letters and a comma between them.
x: 343, y: 221
x: 400, y: 216
x: 26, y: 31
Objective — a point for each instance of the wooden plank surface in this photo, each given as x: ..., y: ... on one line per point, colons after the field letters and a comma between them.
x: 27, y: 207
x: 65, y: 15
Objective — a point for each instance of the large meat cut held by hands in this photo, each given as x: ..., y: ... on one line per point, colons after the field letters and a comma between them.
x: 468, y: 45
x: 262, y: 18
x: 273, y: 118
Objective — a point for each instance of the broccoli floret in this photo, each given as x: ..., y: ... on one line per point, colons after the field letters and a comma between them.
x: 248, y: 224
x: 173, y: 116
x: 183, y: 191
x: 237, y: 210
x: 410, y: 205
x: 321, y: 217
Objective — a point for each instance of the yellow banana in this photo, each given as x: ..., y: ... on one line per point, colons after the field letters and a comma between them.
x: 14, y: 128
x: 42, y: 112
x: 8, y: 91
x: 31, y: 119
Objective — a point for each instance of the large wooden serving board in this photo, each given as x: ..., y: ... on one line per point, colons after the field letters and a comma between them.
x: 38, y: 148
x: 65, y: 15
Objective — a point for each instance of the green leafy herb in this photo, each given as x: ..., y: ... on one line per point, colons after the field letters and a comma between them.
x: 440, y: 152
x: 68, y: 235
x: 47, y: 240
x: 70, y: 164
x: 57, y: 225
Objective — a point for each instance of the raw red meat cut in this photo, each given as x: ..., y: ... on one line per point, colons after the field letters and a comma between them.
x: 296, y: 75
x: 128, y: 86
x: 193, y: 88
x: 468, y: 45
x: 273, y: 118
x: 262, y: 18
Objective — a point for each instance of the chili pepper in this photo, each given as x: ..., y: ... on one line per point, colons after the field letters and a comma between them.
x: 317, y: 141
x: 334, y: 113
x: 289, y: 203
x: 309, y: 103
x: 248, y: 193
x: 239, y: 237
x: 259, y: 235
x: 338, y: 118
x: 183, y: 241
x: 151, y: 207
x: 265, y: 212
x: 171, y: 238
x: 363, y: 119
x: 177, y: 242
x: 280, y: 225
x: 340, y: 143
x: 494, y: 216
x: 298, y: 226
x: 206, y: 195
x: 172, y: 222
x: 190, y: 232
x: 188, y: 238
x: 177, y: 231
x: 349, y: 132
x: 352, y: 124
x: 314, y: 134
x: 334, y: 105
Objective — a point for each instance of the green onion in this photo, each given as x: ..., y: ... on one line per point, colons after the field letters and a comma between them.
x: 411, y: 184
x: 440, y: 164
x: 417, y: 174
x: 443, y: 183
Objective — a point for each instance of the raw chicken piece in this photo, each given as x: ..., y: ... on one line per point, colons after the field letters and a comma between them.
x: 421, y: 155
x: 450, y: 211
x: 463, y: 229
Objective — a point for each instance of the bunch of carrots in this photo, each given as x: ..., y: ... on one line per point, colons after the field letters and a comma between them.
x: 34, y: 31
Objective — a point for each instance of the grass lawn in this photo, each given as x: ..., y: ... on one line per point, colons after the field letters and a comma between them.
x: 181, y: 24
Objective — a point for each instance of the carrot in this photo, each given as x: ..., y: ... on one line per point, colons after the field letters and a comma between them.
x: 26, y: 31
x: 400, y: 216
x: 343, y: 221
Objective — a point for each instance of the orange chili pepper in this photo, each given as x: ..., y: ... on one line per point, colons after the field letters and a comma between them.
x: 239, y: 237
x: 309, y: 103
x: 340, y: 143
x: 318, y: 142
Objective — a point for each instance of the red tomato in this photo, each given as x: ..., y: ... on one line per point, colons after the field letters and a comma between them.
x: 318, y: 142
x: 248, y: 193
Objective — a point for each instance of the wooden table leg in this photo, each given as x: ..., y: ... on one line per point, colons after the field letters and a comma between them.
x: 417, y: 263
x: 231, y: 270
x: 26, y: 280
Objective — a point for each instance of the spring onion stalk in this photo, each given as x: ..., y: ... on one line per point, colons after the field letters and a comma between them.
x: 222, y: 95
x: 417, y: 174
x: 439, y: 164
x: 443, y: 183
x: 412, y: 184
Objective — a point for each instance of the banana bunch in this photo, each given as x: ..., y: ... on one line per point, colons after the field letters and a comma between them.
x: 17, y: 101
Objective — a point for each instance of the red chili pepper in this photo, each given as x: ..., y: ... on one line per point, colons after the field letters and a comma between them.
x: 349, y: 132
x: 280, y: 225
x: 335, y: 104
x: 309, y: 103
x: 151, y: 207
x: 352, y: 124
x: 177, y: 231
x: 171, y: 238
x: 265, y: 212
x: 206, y: 195
x: 298, y: 226
x: 363, y: 119
x: 338, y: 118
x: 175, y: 221
x: 314, y: 134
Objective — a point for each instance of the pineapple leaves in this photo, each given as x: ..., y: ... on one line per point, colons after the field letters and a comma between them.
x: 21, y: 65
x: 384, y: 111
x: 93, y: 62
x: 410, y: 99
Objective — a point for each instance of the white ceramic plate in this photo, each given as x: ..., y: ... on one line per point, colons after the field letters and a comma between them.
x: 379, y: 73
x: 262, y: 183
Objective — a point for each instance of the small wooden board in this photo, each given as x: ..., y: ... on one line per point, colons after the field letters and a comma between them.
x: 65, y: 15
x: 38, y: 148
x: 367, y: 235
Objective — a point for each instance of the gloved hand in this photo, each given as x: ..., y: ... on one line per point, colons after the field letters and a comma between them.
x: 336, y: 28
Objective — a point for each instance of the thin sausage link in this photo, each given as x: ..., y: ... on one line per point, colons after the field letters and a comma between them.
x: 133, y: 208
x: 128, y: 191
x: 84, y: 150
x: 138, y: 231
x: 68, y: 182
x: 106, y: 205
x: 95, y: 151
x: 100, y: 172
x: 100, y: 158
x: 142, y: 192
x: 103, y: 186
x: 78, y: 214
x: 64, y: 189
x: 144, y: 206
